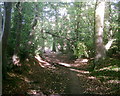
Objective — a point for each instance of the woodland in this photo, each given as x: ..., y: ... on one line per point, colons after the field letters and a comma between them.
x: 60, y: 48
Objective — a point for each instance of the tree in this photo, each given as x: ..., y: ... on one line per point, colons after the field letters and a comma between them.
x: 19, y: 27
x: 18, y: 30
x: 56, y: 27
x: 8, y: 7
x: 119, y: 26
x: 0, y: 24
x: 65, y: 27
x: 99, y: 25
x: 30, y: 44
x: 0, y: 47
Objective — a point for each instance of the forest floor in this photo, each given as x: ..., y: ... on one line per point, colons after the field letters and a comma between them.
x: 57, y: 74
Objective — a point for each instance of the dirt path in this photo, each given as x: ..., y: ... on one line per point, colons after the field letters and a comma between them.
x: 63, y: 59
x: 43, y: 78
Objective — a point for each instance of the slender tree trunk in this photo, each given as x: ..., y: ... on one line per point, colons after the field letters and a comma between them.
x: 61, y: 46
x: 54, y: 44
x: 0, y: 51
x: 8, y: 7
x: 99, y: 25
x: 56, y: 29
x: 19, y: 28
x: 119, y: 26
x: 43, y: 41
x: 42, y: 31
x: 30, y: 46
x: 77, y: 31
x: 0, y: 25
x: 2, y: 19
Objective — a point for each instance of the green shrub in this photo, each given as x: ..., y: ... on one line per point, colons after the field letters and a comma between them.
x: 80, y: 50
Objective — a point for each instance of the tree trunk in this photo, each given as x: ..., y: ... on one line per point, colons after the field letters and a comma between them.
x: 0, y: 52
x: 61, y: 46
x: 56, y: 29
x: 43, y: 41
x: 0, y: 25
x: 30, y: 46
x: 77, y: 31
x: 8, y: 7
x: 119, y: 26
x: 99, y: 25
x: 18, y: 29
x: 54, y: 45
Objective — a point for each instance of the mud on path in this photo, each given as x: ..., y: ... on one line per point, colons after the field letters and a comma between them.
x: 39, y: 77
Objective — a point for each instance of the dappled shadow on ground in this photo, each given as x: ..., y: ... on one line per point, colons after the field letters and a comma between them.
x: 66, y: 61
x: 57, y: 75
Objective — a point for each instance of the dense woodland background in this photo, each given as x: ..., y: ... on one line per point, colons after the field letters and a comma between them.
x: 88, y: 31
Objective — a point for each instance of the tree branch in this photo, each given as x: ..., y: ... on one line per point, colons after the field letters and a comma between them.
x: 109, y: 44
x: 54, y: 35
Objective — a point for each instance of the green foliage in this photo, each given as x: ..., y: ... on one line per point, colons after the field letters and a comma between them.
x: 71, y: 23
x: 23, y: 53
x: 108, y: 71
x: 80, y: 50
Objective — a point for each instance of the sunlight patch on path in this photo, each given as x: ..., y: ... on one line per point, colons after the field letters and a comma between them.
x: 92, y: 77
x: 80, y: 71
x: 35, y: 92
x: 65, y: 64
x: 81, y: 61
x: 113, y: 68
x: 19, y: 76
x: 41, y: 62
x: 114, y: 81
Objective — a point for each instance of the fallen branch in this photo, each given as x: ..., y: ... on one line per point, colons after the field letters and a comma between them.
x: 109, y: 44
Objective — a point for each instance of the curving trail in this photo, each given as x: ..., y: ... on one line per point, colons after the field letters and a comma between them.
x: 54, y: 74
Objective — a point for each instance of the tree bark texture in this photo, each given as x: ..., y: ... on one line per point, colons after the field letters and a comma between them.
x: 99, y: 25
x: 8, y: 7
x: 19, y: 27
